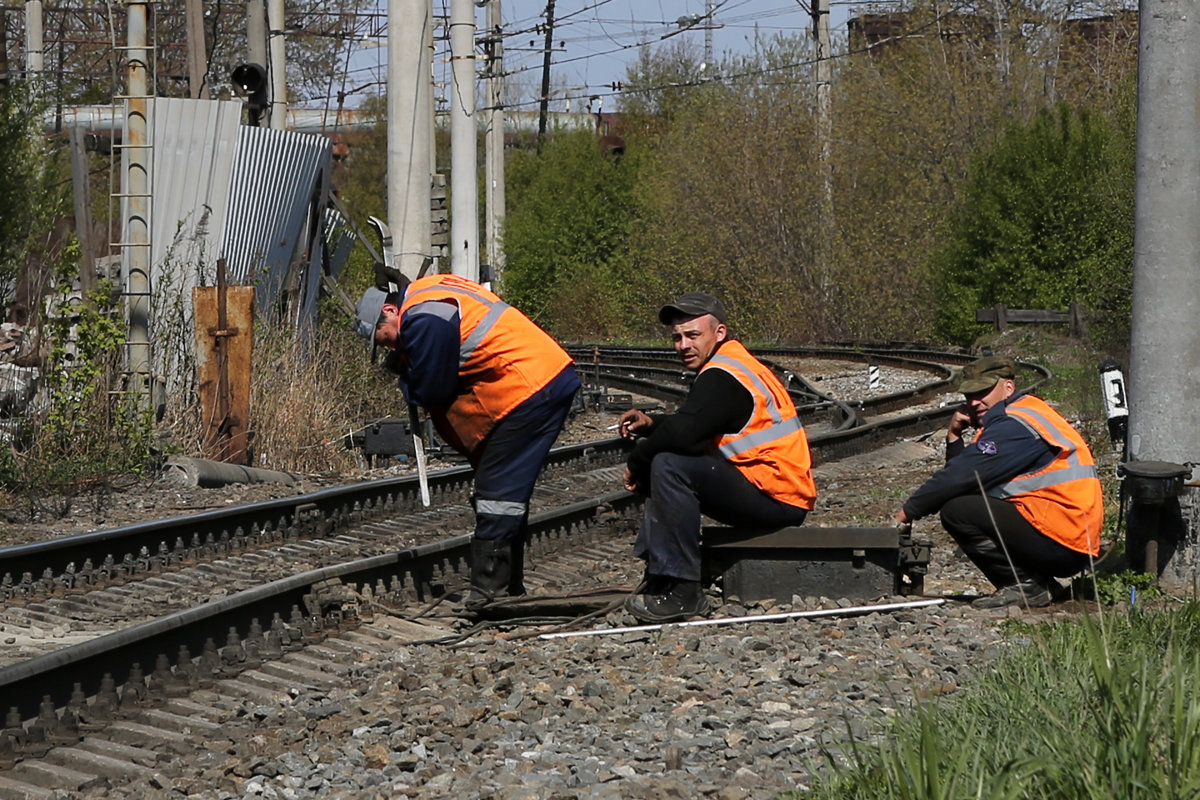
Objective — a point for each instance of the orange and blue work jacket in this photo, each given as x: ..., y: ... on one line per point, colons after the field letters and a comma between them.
x: 503, y: 358
x: 1062, y: 499
x: 771, y: 450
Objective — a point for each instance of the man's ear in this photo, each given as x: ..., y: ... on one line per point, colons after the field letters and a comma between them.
x: 722, y: 332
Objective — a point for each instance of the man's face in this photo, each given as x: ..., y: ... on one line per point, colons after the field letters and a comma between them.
x: 978, y: 403
x: 387, y: 332
x: 696, y: 339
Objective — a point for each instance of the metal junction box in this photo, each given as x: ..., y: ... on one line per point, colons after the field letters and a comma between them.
x: 388, y: 437
x: 863, y: 563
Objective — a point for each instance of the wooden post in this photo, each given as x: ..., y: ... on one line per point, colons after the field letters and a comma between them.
x: 83, y: 211
x: 1078, y: 320
x: 1001, y: 317
x: 224, y: 348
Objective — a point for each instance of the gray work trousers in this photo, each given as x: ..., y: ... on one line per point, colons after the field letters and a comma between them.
x: 682, y: 488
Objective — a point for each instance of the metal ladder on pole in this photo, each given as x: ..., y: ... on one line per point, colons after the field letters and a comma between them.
x: 134, y: 200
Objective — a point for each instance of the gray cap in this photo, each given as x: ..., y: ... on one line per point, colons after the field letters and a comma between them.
x: 367, y: 312
x: 691, y: 304
x: 984, y: 373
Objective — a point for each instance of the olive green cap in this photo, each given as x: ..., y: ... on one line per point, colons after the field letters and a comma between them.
x: 984, y: 373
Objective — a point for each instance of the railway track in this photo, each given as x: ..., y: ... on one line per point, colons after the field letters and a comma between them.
x: 246, y: 588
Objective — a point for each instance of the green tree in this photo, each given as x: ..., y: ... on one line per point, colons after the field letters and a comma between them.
x: 1044, y: 221
x: 566, y: 235
x: 32, y: 192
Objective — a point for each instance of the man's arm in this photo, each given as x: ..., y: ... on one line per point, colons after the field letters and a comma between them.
x: 1005, y: 450
x: 717, y: 404
x: 429, y: 339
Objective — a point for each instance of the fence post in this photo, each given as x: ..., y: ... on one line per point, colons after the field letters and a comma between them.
x: 1001, y: 317
x: 1078, y: 320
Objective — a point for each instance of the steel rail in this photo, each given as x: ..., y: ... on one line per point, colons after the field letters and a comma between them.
x: 418, y: 573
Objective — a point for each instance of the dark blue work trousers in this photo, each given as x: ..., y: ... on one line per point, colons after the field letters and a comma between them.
x: 512, y: 455
x: 1004, y: 545
x: 682, y: 488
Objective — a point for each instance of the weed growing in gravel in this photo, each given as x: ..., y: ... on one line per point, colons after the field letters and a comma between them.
x: 1100, y: 708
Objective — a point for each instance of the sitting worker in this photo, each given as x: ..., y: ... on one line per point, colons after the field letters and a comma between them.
x: 1023, y: 501
x: 735, y: 450
x: 497, y: 388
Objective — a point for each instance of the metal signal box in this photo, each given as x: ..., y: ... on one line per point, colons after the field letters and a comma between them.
x: 855, y: 563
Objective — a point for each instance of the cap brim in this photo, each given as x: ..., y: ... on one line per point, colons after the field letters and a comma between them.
x: 973, y: 385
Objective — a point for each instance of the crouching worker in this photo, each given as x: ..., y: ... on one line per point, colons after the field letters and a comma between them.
x: 735, y: 451
x: 1023, y: 500
x: 498, y: 390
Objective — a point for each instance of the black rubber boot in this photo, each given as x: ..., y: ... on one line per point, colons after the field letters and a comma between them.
x: 491, y: 572
x: 516, y: 578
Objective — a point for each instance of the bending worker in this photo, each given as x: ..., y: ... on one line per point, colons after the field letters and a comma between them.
x: 1023, y: 501
x: 735, y: 450
x: 498, y: 390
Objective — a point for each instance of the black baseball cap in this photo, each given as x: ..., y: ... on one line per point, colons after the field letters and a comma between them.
x: 691, y: 304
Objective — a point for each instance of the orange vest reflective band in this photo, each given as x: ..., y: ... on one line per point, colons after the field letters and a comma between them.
x: 772, y: 449
x: 503, y: 358
x: 1062, y: 500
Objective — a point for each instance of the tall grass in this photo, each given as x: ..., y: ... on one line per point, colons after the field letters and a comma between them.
x: 307, y: 393
x: 1101, y: 708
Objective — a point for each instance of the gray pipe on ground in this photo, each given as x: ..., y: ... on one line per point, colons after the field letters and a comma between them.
x: 200, y: 472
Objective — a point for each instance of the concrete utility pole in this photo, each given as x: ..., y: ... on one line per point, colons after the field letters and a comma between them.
x: 256, y: 32
x: 197, y: 51
x: 1164, y: 417
x: 824, y: 80
x: 544, y: 104
x: 409, y: 135
x: 464, y: 180
x: 278, y: 68
x: 35, y: 62
x: 494, y: 158
x: 709, y: 7
x: 135, y: 237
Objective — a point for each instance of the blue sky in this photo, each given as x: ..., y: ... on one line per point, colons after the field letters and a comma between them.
x: 594, y: 40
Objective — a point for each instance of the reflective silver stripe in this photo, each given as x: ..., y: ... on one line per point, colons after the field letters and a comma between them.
x: 501, y: 508
x: 731, y: 365
x: 775, y: 432
x: 1051, y: 436
x: 471, y: 342
x: 1051, y: 431
x: 1053, y: 478
x: 495, y: 309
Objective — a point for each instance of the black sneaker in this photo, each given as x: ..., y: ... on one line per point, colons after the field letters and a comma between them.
x: 1029, y: 594
x: 673, y: 599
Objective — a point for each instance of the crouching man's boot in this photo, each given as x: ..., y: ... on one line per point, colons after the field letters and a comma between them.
x: 491, y: 572
x: 667, y: 599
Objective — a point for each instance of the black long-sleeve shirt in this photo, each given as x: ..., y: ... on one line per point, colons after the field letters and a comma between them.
x: 1006, y: 449
x: 717, y: 404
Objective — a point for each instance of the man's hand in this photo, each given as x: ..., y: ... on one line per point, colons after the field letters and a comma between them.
x: 629, y: 481
x: 959, y: 423
x: 903, y: 518
x: 635, y: 423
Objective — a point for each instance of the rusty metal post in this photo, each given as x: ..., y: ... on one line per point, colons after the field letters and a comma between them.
x: 224, y: 346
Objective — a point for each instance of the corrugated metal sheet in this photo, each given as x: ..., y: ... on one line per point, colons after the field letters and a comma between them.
x: 279, y: 187
x: 194, y: 143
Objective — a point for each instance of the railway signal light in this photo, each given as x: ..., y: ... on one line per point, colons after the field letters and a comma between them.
x: 250, y: 82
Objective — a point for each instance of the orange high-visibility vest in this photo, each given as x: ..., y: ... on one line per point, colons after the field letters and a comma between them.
x: 1062, y: 500
x: 503, y: 359
x: 772, y: 449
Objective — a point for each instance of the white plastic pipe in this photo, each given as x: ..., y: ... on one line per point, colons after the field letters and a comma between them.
x: 823, y: 612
